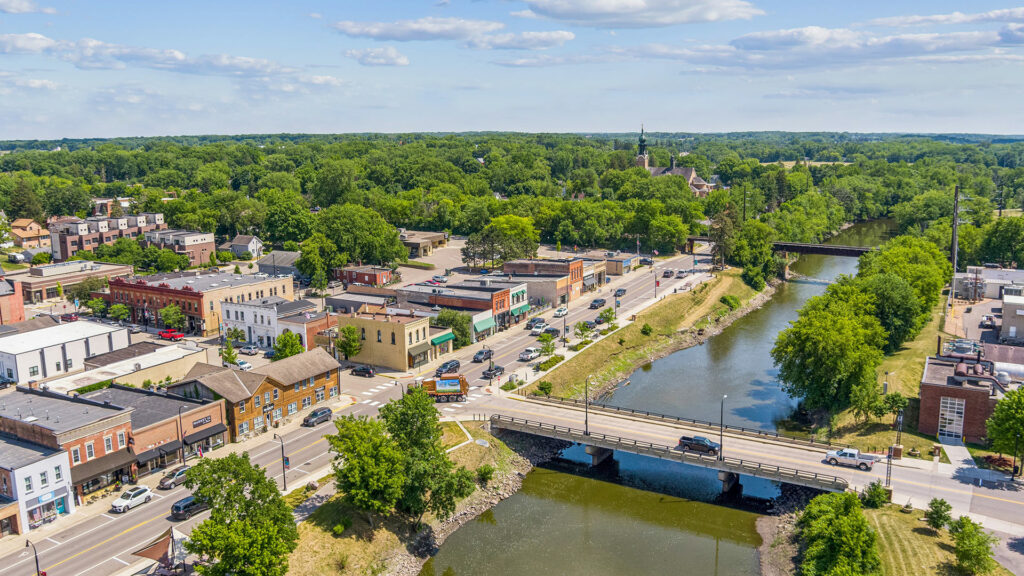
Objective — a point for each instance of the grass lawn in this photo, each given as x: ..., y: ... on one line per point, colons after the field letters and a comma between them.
x: 908, y: 547
x: 451, y: 435
x: 12, y: 266
x: 698, y: 307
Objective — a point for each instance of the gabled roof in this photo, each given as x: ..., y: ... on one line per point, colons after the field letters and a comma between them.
x: 22, y: 223
x: 232, y: 385
x: 299, y: 367
x: 279, y: 258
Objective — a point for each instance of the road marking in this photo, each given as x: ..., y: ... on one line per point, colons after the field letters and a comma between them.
x: 89, y: 570
x: 367, y: 393
x: 367, y: 401
x: 448, y: 409
x: 95, y: 546
x: 375, y: 403
x: 106, y: 516
x: 474, y: 387
x: 119, y: 560
x: 52, y: 540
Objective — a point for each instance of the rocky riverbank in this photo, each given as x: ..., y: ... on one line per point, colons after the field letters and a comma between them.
x: 529, y: 451
x: 778, y: 552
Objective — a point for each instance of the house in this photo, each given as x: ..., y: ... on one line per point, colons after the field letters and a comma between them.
x: 958, y: 395
x: 69, y: 234
x: 27, y: 233
x: 260, y: 399
x: 421, y: 244
x: 1012, y: 328
x: 980, y: 282
x: 369, y: 275
x: 57, y: 350
x: 264, y: 320
x: 242, y: 244
x: 35, y: 482
x: 198, y: 246
x: 397, y: 341
x: 306, y: 325
x: 47, y: 281
x: 12, y: 302
x: 280, y: 262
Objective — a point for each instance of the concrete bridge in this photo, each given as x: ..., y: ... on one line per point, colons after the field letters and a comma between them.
x: 601, y: 445
x: 798, y: 247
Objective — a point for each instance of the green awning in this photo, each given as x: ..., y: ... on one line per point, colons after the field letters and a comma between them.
x: 485, y: 324
x: 442, y: 338
x: 521, y: 309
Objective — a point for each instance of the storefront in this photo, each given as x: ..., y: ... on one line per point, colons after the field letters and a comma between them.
x: 47, y: 507
x: 8, y: 517
x: 212, y: 437
x: 483, y: 328
x: 442, y: 343
x: 159, y: 458
x: 518, y: 312
x: 419, y: 354
x: 121, y: 466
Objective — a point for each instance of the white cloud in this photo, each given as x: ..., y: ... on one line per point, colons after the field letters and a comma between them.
x: 543, y: 60
x: 522, y: 41
x: 639, y: 13
x: 386, y: 56
x: 22, y: 7
x: 25, y: 43
x: 1012, y: 34
x: 1004, y: 15
x: 429, y: 28
x: 35, y: 83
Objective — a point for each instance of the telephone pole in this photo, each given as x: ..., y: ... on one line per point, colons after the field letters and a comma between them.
x: 954, y: 248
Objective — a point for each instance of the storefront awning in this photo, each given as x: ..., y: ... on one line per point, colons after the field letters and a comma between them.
x: 94, y: 468
x: 485, y: 324
x: 589, y: 281
x: 205, y: 433
x: 168, y: 448
x: 442, y: 338
x: 520, y: 309
x: 421, y: 348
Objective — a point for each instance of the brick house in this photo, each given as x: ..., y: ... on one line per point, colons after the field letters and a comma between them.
x: 12, y: 302
x: 957, y: 396
x: 369, y: 275
x: 68, y: 235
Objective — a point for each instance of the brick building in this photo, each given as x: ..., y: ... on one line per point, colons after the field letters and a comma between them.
x: 197, y: 294
x: 39, y: 283
x: 464, y: 296
x: 369, y: 275
x: 397, y: 341
x: 68, y: 235
x: 198, y: 246
x: 12, y: 302
x: 957, y: 396
x: 572, y: 268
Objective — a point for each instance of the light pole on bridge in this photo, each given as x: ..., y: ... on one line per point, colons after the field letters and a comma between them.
x: 721, y: 427
x: 586, y: 406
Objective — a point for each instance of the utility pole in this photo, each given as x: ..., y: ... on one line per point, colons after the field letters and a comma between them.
x: 954, y: 248
x: 284, y: 464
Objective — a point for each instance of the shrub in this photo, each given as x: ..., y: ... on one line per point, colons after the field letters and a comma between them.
x: 646, y: 329
x: 246, y: 255
x: 550, y: 363
x: 875, y: 495
x: 484, y: 474
x: 938, y: 515
x: 545, y: 387
x: 580, y: 345
x: 836, y: 537
x: 731, y: 301
x: 418, y: 264
x: 507, y: 386
x: 344, y: 523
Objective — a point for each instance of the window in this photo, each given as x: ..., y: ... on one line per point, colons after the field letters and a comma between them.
x: 333, y: 391
x: 44, y: 481
x: 276, y: 394
x: 67, y: 364
x: 362, y: 333
x: 28, y: 483
x: 243, y: 428
x: 293, y: 408
x: 58, y: 474
x: 33, y: 370
x: 378, y: 336
x: 256, y: 401
x: 306, y: 402
x: 392, y: 338
x: 89, y: 452
x: 241, y: 407
x: 75, y: 456
x: 266, y: 397
x: 410, y: 337
x: 277, y: 414
x: 108, y: 444
x: 298, y: 385
x: 257, y: 423
x: 320, y: 395
x: 120, y: 440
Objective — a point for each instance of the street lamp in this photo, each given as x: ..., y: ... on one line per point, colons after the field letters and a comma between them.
x: 721, y: 427
x: 181, y: 435
x: 1013, y: 470
x: 586, y: 406
x: 36, y: 553
x: 284, y: 463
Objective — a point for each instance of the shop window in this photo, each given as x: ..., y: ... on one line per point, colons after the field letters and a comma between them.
x: 306, y: 402
x: 257, y: 423
x: 333, y: 391
x: 76, y: 457
x: 293, y: 408
x: 392, y: 338
x: 120, y: 440
x: 243, y: 428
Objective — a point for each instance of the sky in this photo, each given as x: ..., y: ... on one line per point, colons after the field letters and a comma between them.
x: 96, y: 68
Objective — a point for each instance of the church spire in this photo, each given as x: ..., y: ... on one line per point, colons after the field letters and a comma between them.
x: 642, y: 159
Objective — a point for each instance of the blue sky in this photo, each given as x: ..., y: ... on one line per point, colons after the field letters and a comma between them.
x: 93, y: 68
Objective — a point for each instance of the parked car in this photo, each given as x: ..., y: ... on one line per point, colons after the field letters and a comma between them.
x: 485, y: 271
x: 270, y: 353
x: 988, y: 321
x: 72, y: 317
x: 131, y: 498
x: 169, y: 334
x: 850, y: 457
x: 533, y: 322
x: 240, y: 364
x: 481, y: 355
x: 529, y: 354
x: 249, y: 350
x: 599, y: 320
x: 598, y: 303
x: 668, y: 273
x: 134, y: 329
x: 646, y: 261
x: 364, y: 371
x: 562, y: 311
x: 449, y: 367
x: 590, y: 324
x: 173, y: 478
x: 440, y: 278
x: 187, y: 507
x: 317, y: 416
x: 620, y: 292
x: 538, y: 329
x: 494, y: 372
x: 556, y: 332
x: 334, y: 284
x: 699, y: 444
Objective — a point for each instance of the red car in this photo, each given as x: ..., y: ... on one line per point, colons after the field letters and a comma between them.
x: 170, y: 335
x: 72, y: 317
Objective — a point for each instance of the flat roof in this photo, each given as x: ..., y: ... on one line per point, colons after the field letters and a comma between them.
x: 206, y: 282
x: 15, y: 453
x: 149, y: 407
x: 123, y: 367
x: 941, y: 372
x: 133, y: 351
x: 54, y: 335
x: 392, y: 318
x: 1002, y: 274
x: 54, y: 411
x: 1013, y: 299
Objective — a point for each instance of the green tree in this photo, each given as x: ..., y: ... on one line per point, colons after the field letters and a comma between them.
x: 938, y: 514
x: 349, y: 341
x: 972, y: 546
x: 545, y: 387
x: 362, y: 234
x: 459, y: 322
x: 172, y: 317
x: 608, y: 314
x: 836, y: 538
x: 917, y: 261
x: 60, y: 290
x: 865, y: 400
x: 42, y: 258
x: 582, y: 330
x: 547, y: 345
x: 119, y: 312
x: 896, y: 307
x: 236, y: 334
x: 82, y: 290
x: 228, y: 354
x: 1006, y: 425
x: 97, y: 306
x: 319, y: 255
x: 506, y: 238
x: 287, y: 344
x: 369, y: 465
x: 250, y: 531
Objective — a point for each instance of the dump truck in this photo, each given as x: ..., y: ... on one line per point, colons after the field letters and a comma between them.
x: 447, y: 388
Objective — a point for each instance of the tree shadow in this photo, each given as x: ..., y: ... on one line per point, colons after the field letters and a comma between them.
x: 925, y: 531
x: 1016, y: 545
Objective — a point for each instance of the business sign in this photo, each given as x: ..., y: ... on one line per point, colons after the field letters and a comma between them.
x: 46, y: 497
x: 201, y: 422
x: 448, y: 385
x: 268, y: 407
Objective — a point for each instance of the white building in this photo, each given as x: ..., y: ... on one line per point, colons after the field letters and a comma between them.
x: 38, y: 479
x: 57, y: 350
x: 259, y: 319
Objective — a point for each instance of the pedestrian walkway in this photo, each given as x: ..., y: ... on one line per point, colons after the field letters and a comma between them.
x: 962, y: 464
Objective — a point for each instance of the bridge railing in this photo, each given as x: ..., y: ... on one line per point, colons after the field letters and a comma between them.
x: 751, y: 432
x: 738, y: 465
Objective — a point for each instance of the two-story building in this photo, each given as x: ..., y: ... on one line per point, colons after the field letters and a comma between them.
x: 35, y: 484
x: 264, y: 320
x: 12, y: 302
x: 518, y: 296
x: 1012, y: 328
x: 198, y: 246
x: 27, y: 233
x: 397, y: 341
x: 244, y: 244
x: 57, y: 350
x: 571, y: 268
x: 477, y: 297
x: 368, y: 275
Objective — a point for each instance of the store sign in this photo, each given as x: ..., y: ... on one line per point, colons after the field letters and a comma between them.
x: 268, y: 407
x: 201, y: 422
x: 46, y: 497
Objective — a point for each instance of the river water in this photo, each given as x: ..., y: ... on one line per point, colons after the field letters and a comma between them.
x: 647, y: 516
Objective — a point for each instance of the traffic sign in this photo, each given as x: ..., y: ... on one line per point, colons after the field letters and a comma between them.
x: 287, y: 463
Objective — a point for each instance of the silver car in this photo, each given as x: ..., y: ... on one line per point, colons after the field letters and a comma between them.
x: 131, y: 498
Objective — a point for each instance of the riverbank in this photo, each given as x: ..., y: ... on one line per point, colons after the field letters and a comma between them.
x: 679, y: 321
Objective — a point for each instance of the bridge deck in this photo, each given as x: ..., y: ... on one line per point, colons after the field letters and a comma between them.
x: 632, y: 445
x: 804, y: 248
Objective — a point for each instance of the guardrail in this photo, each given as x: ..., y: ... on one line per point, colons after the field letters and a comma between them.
x: 735, y: 465
x: 654, y: 416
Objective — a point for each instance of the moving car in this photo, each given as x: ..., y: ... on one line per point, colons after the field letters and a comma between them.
x: 131, y: 498
x: 562, y: 311
x: 481, y: 355
x: 450, y: 388
x: 68, y: 317
x: 449, y: 367
x: 173, y: 478
x: 680, y: 273
x: 249, y: 350
x: 317, y: 416
x: 440, y: 278
x: 668, y: 273
x: 494, y: 372
x: 598, y: 303
x: 699, y: 444
x: 538, y: 329
x: 850, y: 457
x: 620, y: 292
x: 364, y: 371
x: 187, y: 507
x: 169, y: 334
x: 529, y: 354
x: 134, y: 328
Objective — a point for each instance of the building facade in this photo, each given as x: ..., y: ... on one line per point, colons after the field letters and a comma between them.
x: 280, y: 262
x: 37, y: 479
x: 69, y: 235
x: 261, y: 320
x: 57, y: 350
x: 1012, y: 329
x: 198, y: 246
x: 368, y: 275
x: 422, y: 244
x: 27, y: 233
x: 41, y: 283
x: 957, y: 397
x: 242, y: 244
x: 12, y: 302
x: 397, y: 341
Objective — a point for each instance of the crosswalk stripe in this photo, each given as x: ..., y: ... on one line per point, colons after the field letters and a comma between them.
x: 367, y: 393
x: 367, y: 401
x: 374, y: 403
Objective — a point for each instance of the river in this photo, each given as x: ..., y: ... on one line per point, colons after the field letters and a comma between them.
x: 648, y: 516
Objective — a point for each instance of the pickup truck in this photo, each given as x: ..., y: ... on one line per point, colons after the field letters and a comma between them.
x: 698, y: 444
x: 850, y: 457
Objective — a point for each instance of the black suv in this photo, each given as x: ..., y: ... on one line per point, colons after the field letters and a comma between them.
x: 494, y: 372
x: 364, y: 371
x: 187, y: 507
x: 556, y: 332
x: 533, y: 322
x: 596, y: 304
x: 646, y: 261
x: 317, y: 416
x: 620, y: 292
x: 482, y: 355
x: 449, y: 367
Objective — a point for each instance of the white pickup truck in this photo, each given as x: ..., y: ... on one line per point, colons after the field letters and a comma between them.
x: 850, y: 457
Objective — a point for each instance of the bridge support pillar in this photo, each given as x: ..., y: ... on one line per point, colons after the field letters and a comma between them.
x: 730, y: 481
x: 598, y: 454
x: 785, y: 267
x: 689, y: 246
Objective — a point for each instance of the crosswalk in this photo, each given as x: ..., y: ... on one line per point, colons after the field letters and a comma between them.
x: 475, y: 393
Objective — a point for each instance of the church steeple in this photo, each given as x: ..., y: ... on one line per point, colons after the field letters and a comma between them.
x: 642, y: 159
